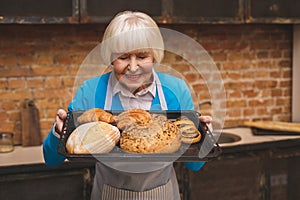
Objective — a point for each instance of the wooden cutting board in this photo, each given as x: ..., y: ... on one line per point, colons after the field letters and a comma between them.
x: 274, y: 126
x: 30, y: 124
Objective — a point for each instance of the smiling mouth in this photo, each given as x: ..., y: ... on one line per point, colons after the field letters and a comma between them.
x: 132, y: 77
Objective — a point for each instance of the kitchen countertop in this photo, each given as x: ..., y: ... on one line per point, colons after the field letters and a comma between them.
x: 34, y: 154
x: 22, y: 156
x: 257, y: 142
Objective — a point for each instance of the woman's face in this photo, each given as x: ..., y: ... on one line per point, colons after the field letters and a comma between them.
x: 134, y: 69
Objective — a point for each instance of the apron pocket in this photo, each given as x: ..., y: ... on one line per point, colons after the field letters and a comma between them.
x: 163, y: 192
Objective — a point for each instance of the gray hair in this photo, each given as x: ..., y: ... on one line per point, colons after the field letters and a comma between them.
x: 132, y: 31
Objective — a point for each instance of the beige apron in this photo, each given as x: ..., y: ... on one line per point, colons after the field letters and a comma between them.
x: 114, y: 184
x: 110, y: 183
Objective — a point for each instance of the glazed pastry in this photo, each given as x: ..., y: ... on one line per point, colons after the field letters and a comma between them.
x: 96, y: 114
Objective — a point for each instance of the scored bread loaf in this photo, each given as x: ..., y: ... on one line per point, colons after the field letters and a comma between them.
x: 93, y: 137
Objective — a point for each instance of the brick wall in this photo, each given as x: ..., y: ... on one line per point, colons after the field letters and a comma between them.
x: 40, y: 62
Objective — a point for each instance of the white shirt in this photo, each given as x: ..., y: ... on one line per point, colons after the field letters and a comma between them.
x: 142, y: 99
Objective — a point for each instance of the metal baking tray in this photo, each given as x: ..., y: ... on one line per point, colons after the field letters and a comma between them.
x: 204, y: 150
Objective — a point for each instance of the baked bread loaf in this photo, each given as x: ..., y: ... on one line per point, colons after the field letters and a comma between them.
x: 188, y: 130
x: 94, y: 115
x: 93, y: 137
x: 147, y: 133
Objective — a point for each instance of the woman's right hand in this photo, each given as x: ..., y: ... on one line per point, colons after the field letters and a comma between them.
x: 60, y: 116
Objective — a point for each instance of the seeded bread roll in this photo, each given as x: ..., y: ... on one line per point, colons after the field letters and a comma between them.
x: 147, y: 133
x: 188, y: 130
x: 93, y: 137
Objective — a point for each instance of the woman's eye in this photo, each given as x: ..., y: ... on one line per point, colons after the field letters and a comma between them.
x: 142, y: 56
x: 124, y: 57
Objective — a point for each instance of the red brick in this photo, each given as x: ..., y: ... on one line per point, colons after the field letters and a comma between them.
x: 234, y: 113
x: 262, y: 54
x: 248, y: 112
x: 276, y: 54
x: 35, y: 82
x: 14, y: 115
x: 236, y: 103
x: 285, y: 83
x: 276, y: 92
x: 250, y: 93
x: 68, y: 81
x: 49, y: 71
x: 285, y: 63
x: 16, y: 83
x: 15, y: 72
x: 3, y: 115
x: 53, y: 103
x: 8, y: 60
x: 265, y: 84
x: 26, y: 59
x: 3, y: 84
x: 15, y: 95
x: 45, y: 60
x: 267, y: 102
x: 10, y: 105
x: 219, y: 56
x: 64, y: 59
x: 53, y: 82
x: 53, y: 93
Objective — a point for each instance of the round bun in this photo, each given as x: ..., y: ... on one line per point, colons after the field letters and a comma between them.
x: 188, y: 130
x: 93, y: 137
x: 149, y: 133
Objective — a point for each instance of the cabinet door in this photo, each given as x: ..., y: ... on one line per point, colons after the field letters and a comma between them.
x: 70, y: 184
x: 203, y: 11
x: 92, y: 11
x: 39, y: 12
x: 273, y: 11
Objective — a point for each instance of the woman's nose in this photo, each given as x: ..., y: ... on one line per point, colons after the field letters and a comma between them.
x: 133, y: 65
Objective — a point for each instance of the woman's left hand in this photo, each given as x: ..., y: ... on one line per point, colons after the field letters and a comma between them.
x: 206, y: 119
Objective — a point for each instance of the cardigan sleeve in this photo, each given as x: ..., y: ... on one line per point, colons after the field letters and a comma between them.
x: 50, y: 144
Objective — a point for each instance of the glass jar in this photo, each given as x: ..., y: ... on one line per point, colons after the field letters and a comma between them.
x: 6, y: 142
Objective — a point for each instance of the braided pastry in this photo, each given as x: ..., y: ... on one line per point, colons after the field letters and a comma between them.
x: 188, y: 130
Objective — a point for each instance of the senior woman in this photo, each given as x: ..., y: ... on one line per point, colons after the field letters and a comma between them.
x: 132, y: 45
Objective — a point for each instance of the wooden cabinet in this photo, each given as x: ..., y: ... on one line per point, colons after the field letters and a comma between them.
x: 99, y: 11
x: 163, y: 11
x: 272, y: 11
x: 36, y: 182
x: 166, y: 11
x: 39, y: 12
x: 203, y: 11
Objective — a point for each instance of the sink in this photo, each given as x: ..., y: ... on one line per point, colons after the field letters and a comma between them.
x: 224, y: 137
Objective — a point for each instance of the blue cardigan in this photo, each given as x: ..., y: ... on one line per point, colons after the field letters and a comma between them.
x: 92, y: 94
